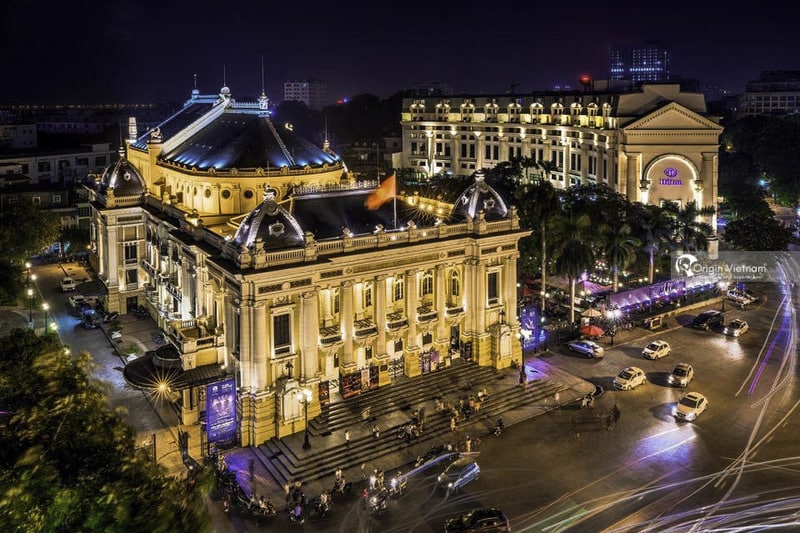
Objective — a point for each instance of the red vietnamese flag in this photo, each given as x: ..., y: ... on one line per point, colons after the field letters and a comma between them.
x: 385, y: 192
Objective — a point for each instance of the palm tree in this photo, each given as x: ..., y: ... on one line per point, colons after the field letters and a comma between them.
x: 691, y: 232
x: 573, y: 254
x: 539, y: 203
x: 619, y: 248
x: 657, y: 228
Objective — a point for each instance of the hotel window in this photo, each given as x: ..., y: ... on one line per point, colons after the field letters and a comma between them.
x: 335, y: 302
x: 281, y: 333
x: 130, y: 251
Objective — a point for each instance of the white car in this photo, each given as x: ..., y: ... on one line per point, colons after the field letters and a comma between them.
x: 741, y: 297
x: 681, y: 375
x: 76, y: 300
x: 736, y: 327
x: 587, y: 348
x: 690, y: 406
x: 656, y: 350
x: 68, y: 284
x: 630, y: 378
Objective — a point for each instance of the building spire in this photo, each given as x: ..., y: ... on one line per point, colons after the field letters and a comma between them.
x: 263, y: 101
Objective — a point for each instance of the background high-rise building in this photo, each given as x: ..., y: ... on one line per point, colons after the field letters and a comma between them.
x: 775, y: 92
x: 649, y: 62
x: 311, y: 92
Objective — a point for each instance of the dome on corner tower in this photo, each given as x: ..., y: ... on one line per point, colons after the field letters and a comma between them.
x: 480, y: 197
x: 272, y: 224
x: 122, y: 178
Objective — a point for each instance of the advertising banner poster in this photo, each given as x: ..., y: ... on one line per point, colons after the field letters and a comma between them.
x: 221, y: 410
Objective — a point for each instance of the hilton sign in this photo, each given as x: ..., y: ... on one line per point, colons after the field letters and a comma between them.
x: 670, y: 181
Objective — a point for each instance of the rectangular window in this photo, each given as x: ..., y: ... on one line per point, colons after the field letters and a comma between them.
x: 281, y: 333
x: 131, y: 253
x: 36, y: 200
x: 56, y: 198
x: 492, y: 288
x: 131, y: 276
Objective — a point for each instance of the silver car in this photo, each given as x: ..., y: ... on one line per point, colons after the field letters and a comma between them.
x: 458, y: 473
x: 587, y: 348
x: 681, y: 375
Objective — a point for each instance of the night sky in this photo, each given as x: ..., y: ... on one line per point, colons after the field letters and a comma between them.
x: 122, y: 51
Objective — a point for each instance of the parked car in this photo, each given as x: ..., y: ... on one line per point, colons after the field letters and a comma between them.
x: 656, y: 350
x: 630, y: 378
x: 458, y: 473
x: 741, y: 297
x: 587, y: 348
x: 483, y: 520
x: 79, y: 304
x: 681, y: 375
x: 690, y: 406
x: 736, y: 327
x: 68, y: 284
x: 708, y: 319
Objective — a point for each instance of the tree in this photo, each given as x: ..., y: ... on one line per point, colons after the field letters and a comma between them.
x: 538, y: 204
x: 655, y: 230
x: 574, y: 255
x: 757, y: 231
x: 618, y: 247
x: 67, y: 461
x: 25, y: 230
x: 691, y: 233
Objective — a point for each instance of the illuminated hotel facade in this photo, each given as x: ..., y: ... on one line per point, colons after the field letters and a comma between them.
x: 652, y: 144
x: 255, y: 253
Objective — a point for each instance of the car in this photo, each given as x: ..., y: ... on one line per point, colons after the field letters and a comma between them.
x: 690, y: 406
x: 708, y: 319
x: 76, y: 300
x: 681, y: 375
x: 630, y: 378
x: 741, y: 297
x: 90, y: 319
x: 736, y: 327
x: 458, y: 473
x: 68, y: 284
x: 588, y: 348
x: 483, y: 520
x: 656, y: 350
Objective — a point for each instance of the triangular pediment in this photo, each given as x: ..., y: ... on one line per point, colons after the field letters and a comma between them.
x: 673, y: 116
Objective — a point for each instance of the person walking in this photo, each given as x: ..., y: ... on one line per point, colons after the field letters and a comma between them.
x: 347, y: 437
x: 376, y: 431
x: 522, y: 376
x: 452, y: 423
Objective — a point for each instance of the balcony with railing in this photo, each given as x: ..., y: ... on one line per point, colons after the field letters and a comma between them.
x: 426, y: 313
x: 396, y: 320
x: 191, y: 335
x: 329, y: 336
x: 365, y: 328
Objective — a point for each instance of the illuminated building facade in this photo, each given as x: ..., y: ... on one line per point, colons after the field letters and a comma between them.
x: 256, y: 254
x: 653, y: 144
x: 642, y: 64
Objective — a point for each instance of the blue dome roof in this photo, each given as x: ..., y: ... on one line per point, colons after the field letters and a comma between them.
x: 272, y: 224
x: 480, y: 197
x: 122, y: 178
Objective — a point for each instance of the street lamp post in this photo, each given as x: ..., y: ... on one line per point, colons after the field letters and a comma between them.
x: 612, y: 315
x: 304, y: 397
x: 30, y: 305
x: 45, y: 307
x: 28, y: 268
x: 723, y: 288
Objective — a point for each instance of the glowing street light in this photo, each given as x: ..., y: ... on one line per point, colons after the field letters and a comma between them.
x: 28, y: 268
x: 30, y: 304
x: 612, y: 315
x: 723, y: 288
x: 304, y: 397
x: 45, y: 307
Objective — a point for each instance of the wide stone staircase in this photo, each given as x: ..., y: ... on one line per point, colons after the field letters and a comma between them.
x: 391, y: 407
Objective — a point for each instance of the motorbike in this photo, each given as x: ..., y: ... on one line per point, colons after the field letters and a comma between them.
x: 321, y: 505
x: 377, y: 501
x: 397, y: 484
x: 296, y: 514
x: 498, y: 428
x: 341, y: 487
x: 587, y: 401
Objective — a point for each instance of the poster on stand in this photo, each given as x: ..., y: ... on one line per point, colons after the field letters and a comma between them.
x: 221, y: 411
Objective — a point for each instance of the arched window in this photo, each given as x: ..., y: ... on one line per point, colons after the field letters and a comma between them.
x: 398, y: 290
x: 427, y: 283
x: 455, y: 284
x: 367, y: 296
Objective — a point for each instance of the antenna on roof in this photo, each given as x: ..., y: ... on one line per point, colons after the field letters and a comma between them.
x: 224, y: 76
x: 262, y: 75
x: 195, y: 81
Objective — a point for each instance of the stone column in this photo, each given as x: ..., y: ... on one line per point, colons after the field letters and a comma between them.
x: 440, y: 290
x: 709, y: 180
x: 309, y: 319
x: 480, y: 297
x: 246, y: 345
x: 260, y: 348
x: 503, y: 148
x: 380, y: 314
x: 455, y: 153
x: 510, y: 289
x: 411, y: 307
x: 632, y: 178
x: 585, y: 163
x: 346, y: 318
x: 480, y: 147
x: 430, y: 152
x: 113, y: 256
x: 469, y: 290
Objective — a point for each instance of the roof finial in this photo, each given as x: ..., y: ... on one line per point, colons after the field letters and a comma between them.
x: 224, y: 76
x: 262, y: 76
x: 195, y: 81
